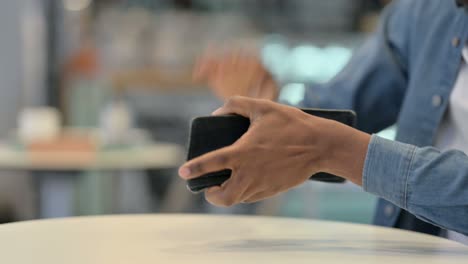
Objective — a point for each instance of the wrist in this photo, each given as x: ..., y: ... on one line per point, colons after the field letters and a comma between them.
x: 346, y: 153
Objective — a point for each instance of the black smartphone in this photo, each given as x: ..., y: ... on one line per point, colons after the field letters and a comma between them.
x: 214, y: 132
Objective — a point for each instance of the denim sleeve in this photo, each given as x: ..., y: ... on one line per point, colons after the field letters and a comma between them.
x: 374, y: 81
x: 430, y: 184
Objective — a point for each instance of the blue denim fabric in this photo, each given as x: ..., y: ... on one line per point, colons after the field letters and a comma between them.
x: 404, y: 74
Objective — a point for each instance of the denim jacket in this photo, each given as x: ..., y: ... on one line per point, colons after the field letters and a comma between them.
x: 404, y: 74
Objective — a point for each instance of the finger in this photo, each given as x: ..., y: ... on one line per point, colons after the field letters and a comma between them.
x: 205, y: 68
x: 235, y: 57
x: 207, y: 63
x: 228, y: 194
x: 255, y: 73
x: 243, y: 106
x: 228, y: 64
x: 269, y: 88
x: 211, y: 162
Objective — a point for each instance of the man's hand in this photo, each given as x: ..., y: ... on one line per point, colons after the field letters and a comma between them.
x: 282, y: 148
x: 235, y: 73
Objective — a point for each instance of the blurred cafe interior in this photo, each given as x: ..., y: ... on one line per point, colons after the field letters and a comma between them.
x: 96, y: 98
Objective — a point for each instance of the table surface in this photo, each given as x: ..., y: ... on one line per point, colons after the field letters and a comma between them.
x: 151, y: 155
x: 217, y: 239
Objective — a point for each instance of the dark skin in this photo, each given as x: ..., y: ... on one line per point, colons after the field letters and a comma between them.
x: 282, y: 147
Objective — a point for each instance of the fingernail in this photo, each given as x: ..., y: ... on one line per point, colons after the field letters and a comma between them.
x: 215, y: 112
x: 184, y: 172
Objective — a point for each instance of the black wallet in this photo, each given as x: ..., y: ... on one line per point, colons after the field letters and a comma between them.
x: 213, y: 132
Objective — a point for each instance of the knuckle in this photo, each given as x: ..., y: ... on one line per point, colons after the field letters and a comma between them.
x: 222, y: 159
x: 232, y: 101
x: 197, y: 167
x: 276, y: 189
x: 261, y: 141
x: 235, y: 150
x: 249, y: 152
x: 263, y: 107
x: 233, y: 154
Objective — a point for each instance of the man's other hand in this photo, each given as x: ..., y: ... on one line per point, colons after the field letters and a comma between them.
x: 234, y: 73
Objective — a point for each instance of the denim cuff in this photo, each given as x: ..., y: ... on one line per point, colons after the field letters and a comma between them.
x: 387, y: 168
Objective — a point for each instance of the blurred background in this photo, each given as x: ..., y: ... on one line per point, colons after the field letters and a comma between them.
x: 96, y: 98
